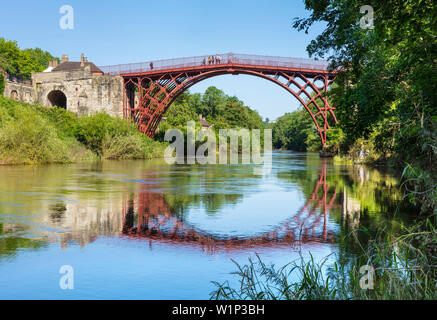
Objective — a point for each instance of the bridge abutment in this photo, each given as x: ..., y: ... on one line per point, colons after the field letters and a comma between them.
x: 84, y: 92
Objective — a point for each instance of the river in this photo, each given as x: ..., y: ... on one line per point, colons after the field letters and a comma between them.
x: 149, y: 230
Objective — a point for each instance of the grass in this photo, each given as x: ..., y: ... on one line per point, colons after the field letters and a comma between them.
x: 405, y: 268
x: 421, y: 188
x: 34, y: 134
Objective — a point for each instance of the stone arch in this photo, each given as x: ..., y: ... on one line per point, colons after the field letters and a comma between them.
x: 57, y: 98
x: 14, y: 95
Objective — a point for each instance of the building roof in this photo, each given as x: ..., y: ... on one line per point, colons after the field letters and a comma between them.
x: 204, y: 123
x: 71, y: 65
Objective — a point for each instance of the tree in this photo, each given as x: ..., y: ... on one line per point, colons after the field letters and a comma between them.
x: 212, y: 100
x: 386, y: 87
x: 42, y: 58
x: 296, y: 131
x: 22, y: 63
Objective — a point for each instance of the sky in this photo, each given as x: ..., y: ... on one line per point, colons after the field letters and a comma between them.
x: 118, y: 32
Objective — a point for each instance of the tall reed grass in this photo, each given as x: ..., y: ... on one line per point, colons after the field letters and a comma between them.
x: 405, y: 268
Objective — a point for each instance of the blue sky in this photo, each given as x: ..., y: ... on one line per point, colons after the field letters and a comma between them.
x: 116, y: 32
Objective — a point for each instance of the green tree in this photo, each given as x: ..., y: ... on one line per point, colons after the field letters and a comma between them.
x: 42, y: 58
x: 296, y: 131
x: 212, y: 100
x: 22, y: 63
x: 386, y: 87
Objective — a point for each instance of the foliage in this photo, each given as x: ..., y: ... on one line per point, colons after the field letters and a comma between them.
x: 41, y: 57
x: 296, y: 131
x: 114, y: 138
x: 31, y: 138
x: 181, y: 111
x: 219, y: 109
x: 385, y: 90
x: 91, y: 131
x: 421, y: 188
x: 22, y: 63
x: 404, y: 265
x: 35, y: 134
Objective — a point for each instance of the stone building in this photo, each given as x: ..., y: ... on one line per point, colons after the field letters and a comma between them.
x: 79, y: 87
x: 205, y: 125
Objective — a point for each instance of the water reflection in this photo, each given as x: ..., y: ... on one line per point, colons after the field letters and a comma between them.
x: 149, y: 216
x: 305, y: 204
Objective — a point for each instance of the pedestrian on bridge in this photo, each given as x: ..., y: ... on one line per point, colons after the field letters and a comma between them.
x: 151, y: 65
x: 218, y: 59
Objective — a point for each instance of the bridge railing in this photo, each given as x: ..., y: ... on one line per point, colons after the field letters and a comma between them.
x: 199, y: 61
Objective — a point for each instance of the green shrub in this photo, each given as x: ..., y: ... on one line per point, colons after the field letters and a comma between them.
x: 30, y: 139
x: 92, y: 130
x: 114, y: 138
x: 38, y: 134
x: 65, y: 121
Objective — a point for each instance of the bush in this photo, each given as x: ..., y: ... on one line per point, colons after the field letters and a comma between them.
x: 92, y: 130
x: 38, y: 134
x: 65, y: 121
x: 115, y: 138
x: 30, y: 139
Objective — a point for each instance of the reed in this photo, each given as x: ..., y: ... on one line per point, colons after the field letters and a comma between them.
x: 405, y: 268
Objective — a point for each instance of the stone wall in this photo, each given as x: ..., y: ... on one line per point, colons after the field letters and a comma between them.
x: 19, y: 91
x: 85, y: 93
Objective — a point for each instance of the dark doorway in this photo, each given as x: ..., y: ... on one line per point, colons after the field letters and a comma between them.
x: 14, y: 95
x: 58, y: 98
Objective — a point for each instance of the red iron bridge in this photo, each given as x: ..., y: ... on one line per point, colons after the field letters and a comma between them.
x: 151, y: 87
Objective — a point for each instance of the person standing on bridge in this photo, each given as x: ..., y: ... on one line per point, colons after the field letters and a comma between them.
x: 151, y: 65
x: 209, y: 60
x: 218, y: 59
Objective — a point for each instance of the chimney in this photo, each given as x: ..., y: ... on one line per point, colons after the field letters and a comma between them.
x: 64, y: 58
x: 53, y: 63
x: 82, y: 60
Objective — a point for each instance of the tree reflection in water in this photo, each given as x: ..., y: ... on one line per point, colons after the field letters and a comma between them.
x: 150, y: 217
x: 159, y: 204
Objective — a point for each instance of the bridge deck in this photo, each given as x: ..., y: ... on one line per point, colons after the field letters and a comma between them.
x: 225, y: 61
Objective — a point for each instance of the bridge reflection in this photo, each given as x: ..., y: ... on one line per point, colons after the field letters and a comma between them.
x: 150, y: 217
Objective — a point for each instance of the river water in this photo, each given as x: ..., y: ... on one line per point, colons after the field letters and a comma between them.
x: 149, y: 230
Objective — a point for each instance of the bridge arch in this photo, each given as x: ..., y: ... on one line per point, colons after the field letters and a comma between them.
x: 310, y: 95
x: 57, y: 98
x: 148, y: 94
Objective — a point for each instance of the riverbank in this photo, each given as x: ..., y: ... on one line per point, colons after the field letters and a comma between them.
x: 392, y: 266
x: 35, y: 134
